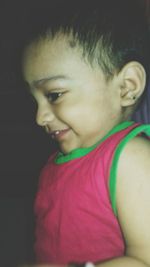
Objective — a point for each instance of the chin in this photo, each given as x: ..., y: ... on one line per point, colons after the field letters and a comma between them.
x: 66, y: 149
x: 63, y: 149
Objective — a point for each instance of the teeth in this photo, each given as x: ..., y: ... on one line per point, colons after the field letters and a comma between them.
x: 57, y: 132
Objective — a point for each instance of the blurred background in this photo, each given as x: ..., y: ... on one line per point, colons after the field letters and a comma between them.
x: 24, y: 147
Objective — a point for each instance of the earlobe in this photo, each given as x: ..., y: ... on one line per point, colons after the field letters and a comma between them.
x: 133, y: 80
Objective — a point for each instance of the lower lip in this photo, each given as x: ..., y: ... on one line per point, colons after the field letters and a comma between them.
x: 60, y: 135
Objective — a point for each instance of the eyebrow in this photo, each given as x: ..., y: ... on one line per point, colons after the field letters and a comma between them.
x: 42, y: 81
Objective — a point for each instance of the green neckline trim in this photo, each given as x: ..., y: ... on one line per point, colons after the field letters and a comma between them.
x: 114, y: 167
x: 80, y: 152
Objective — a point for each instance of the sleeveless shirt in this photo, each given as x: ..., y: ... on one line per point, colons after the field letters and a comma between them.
x: 76, y: 216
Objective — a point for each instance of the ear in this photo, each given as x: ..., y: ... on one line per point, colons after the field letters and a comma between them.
x: 133, y: 81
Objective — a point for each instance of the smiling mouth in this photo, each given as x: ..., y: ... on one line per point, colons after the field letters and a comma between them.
x: 58, y: 134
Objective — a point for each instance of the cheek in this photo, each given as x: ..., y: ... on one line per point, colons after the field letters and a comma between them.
x: 84, y: 117
x: 81, y: 111
x: 73, y: 116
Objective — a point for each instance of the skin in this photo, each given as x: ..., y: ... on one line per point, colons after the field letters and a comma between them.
x: 85, y: 95
x: 75, y: 97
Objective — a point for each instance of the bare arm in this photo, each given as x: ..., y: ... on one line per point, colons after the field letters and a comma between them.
x: 133, y: 204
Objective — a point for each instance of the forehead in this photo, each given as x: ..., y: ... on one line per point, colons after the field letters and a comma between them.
x: 48, y: 55
x: 48, y: 58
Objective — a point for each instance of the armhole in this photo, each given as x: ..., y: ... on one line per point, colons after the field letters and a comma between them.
x: 114, y: 165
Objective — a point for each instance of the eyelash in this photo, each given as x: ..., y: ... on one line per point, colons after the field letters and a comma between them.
x: 53, y: 97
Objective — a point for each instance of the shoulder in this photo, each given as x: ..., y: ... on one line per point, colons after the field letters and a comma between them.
x: 133, y: 195
x: 134, y: 166
x: 135, y: 157
x: 133, y: 173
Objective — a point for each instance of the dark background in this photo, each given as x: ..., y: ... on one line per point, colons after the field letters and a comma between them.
x: 24, y: 147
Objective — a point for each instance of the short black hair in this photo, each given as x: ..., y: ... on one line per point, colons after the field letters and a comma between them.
x: 110, y: 32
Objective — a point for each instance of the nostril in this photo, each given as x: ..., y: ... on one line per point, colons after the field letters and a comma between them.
x: 44, y: 118
x: 41, y: 120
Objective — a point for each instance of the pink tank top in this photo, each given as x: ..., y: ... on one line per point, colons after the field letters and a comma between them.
x: 76, y: 217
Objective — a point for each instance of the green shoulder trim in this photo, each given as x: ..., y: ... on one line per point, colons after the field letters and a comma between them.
x: 113, y: 171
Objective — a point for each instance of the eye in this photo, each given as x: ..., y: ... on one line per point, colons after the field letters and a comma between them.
x: 52, y: 97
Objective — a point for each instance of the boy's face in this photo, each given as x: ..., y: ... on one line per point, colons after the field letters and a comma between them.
x: 76, y: 105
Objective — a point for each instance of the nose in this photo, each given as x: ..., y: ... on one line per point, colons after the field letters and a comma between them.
x: 44, y: 115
